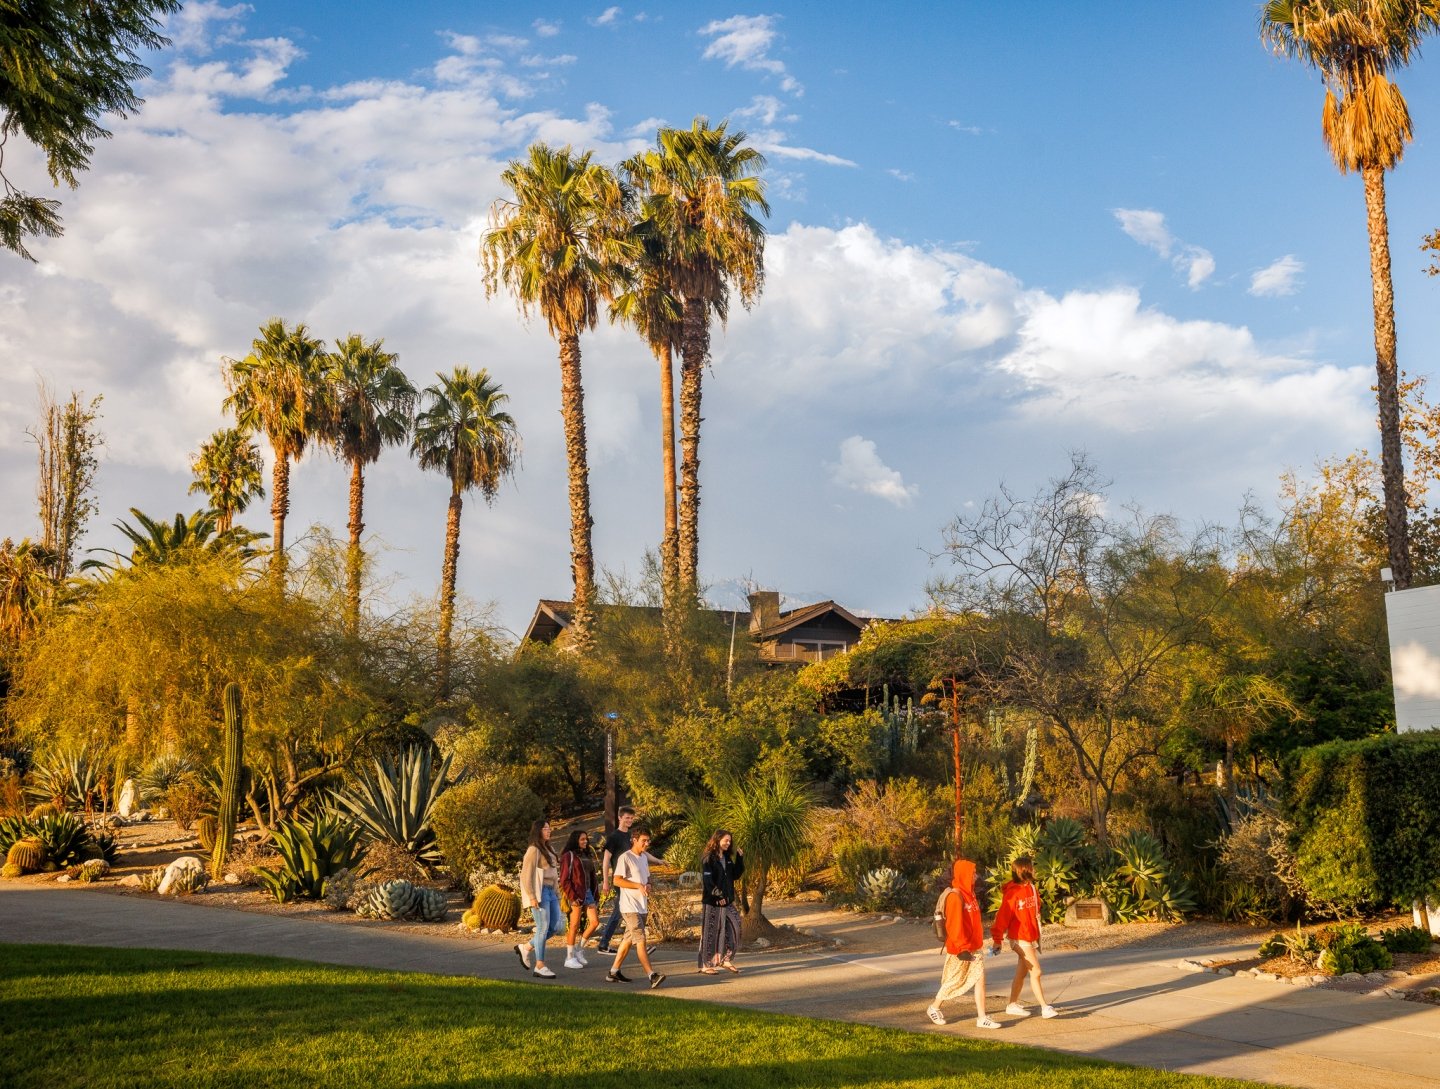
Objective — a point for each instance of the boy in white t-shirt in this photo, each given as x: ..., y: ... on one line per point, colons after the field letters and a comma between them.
x: 632, y: 878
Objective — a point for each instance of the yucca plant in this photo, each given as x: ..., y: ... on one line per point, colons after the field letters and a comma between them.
x: 393, y: 804
x: 312, y: 852
x: 163, y: 774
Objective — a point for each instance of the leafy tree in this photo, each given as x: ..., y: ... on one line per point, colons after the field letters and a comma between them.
x: 1356, y: 45
x: 463, y: 431
x: 63, y: 63
x: 278, y: 389
x: 24, y: 588
x: 769, y: 816
x: 369, y: 407
x: 561, y: 246
x: 700, y: 188
x: 67, y: 441
x: 229, y: 471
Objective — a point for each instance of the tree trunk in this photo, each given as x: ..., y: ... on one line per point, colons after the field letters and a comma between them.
x: 670, y: 543
x: 695, y: 348
x: 353, y: 557
x: 225, y: 513
x: 1392, y: 467
x: 753, y: 923
x: 447, y: 588
x: 279, y: 508
x: 582, y: 556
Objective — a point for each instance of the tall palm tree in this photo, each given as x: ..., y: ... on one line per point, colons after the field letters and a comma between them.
x: 700, y: 188
x: 370, y: 404
x: 463, y: 431
x: 652, y: 306
x: 1356, y: 44
x: 561, y: 246
x: 228, y: 469
x: 25, y: 587
x: 278, y: 389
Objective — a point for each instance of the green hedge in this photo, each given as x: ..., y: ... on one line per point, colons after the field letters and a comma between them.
x: 1366, y: 816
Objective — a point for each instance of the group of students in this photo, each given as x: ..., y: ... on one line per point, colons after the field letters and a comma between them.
x: 958, y: 916
x: 625, y: 866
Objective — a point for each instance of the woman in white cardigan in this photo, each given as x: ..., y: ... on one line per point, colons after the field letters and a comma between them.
x: 538, y: 883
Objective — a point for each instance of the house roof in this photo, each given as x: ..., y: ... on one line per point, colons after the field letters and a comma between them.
x: 552, y: 617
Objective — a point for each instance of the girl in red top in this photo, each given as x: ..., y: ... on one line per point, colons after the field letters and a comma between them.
x: 964, y: 947
x: 1018, y: 921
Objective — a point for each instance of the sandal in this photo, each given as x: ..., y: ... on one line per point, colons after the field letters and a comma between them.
x: 709, y: 971
x: 730, y: 967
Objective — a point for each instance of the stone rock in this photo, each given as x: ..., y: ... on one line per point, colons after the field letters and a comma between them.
x: 762, y: 943
x: 1395, y: 992
x: 1352, y: 976
x: 183, y: 864
x: 1268, y: 977
x: 1376, y: 977
x: 64, y: 877
x: 1319, y: 979
x: 232, y: 879
x: 1395, y: 973
x: 129, y: 799
x: 690, y: 879
x: 1190, y: 966
x: 1223, y: 972
x: 131, y: 881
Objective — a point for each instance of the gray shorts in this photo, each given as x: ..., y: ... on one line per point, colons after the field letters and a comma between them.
x: 635, y: 924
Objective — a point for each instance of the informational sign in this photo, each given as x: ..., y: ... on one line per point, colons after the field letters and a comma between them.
x: 1413, y: 617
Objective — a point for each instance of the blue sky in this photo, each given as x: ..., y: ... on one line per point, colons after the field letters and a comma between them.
x: 1111, y: 227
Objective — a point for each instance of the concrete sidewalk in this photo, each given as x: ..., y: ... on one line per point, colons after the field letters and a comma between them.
x: 1129, y: 1005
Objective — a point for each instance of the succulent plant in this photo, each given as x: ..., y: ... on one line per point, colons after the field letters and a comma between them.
x: 312, y: 853
x: 13, y: 828
x: 27, y: 854
x: 389, y: 900
x: 495, y: 908
x: 881, y: 888
x: 189, y: 881
x: 150, y: 879
x: 11, y: 870
x: 91, y: 870
x: 339, y: 890
x: 432, y: 905
x: 232, y: 771
x: 64, y: 836
x: 205, y: 829
x: 44, y: 810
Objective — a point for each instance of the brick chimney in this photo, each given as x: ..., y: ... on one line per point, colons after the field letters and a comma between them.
x: 764, y: 609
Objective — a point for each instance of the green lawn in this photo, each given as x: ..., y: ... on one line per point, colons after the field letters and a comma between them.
x: 98, y: 1018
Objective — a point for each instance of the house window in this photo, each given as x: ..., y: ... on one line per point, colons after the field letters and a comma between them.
x: 819, y: 649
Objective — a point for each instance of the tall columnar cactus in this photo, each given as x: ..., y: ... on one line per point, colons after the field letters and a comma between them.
x: 234, y: 764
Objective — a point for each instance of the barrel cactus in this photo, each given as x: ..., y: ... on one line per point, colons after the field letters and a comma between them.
x: 495, y: 908
x: 205, y: 829
x: 432, y: 905
x: 11, y: 870
x: 92, y: 870
x: 43, y: 810
x: 389, y: 900
x: 27, y: 854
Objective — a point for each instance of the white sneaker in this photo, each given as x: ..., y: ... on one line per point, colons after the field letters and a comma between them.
x: 574, y: 962
x: 987, y: 1022
x: 935, y: 1015
x: 580, y: 955
x: 1049, y: 1011
x: 544, y: 972
x: 1017, y: 1010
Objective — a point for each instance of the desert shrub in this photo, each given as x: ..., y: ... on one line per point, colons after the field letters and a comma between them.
x: 1273, y: 946
x: 672, y: 909
x: 12, y: 797
x: 901, y: 825
x: 1406, y: 939
x: 485, y: 823
x: 184, y: 801
x: 1367, y: 819
x: 163, y: 773
x: 386, y: 861
x: 1258, y: 867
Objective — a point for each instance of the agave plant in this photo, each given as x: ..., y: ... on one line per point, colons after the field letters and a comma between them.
x: 65, y: 838
x: 70, y: 778
x: 312, y: 851
x: 393, y: 804
x: 164, y: 773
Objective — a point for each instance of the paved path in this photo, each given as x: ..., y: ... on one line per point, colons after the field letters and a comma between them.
x: 1131, y: 1005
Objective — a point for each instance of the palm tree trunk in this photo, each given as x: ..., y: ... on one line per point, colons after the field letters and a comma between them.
x: 582, y: 555
x: 226, y: 513
x: 1392, y: 467
x: 279, y: 508
x: 353, y: 557
x: 447, y: 587
x: 695, y: 347
x: 670, y: 543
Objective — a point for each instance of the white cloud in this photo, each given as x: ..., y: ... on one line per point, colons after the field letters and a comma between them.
x: 545, y: 29
x: 968, y: 130
x: 1280, y: 277
x: 860, y: 469
x: 786, y: 151
x: 606, y: 17
x: 1147, y: 227
x: 900, y: 175
x: 201, y: 27
x: 745, y: 41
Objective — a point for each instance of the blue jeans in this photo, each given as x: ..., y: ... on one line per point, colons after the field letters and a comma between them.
x: 611, y: 924
x: 547, y: 921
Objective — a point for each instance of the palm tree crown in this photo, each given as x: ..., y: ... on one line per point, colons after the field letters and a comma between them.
x: 369, y: 401
x: 228, y: 469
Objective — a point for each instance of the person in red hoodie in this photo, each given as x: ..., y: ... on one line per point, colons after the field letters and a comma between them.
x: 1018, y: 921
x: 964, y: 945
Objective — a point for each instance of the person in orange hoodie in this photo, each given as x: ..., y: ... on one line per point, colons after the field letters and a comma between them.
x: 964, y: 945
x: 1018, y: 921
